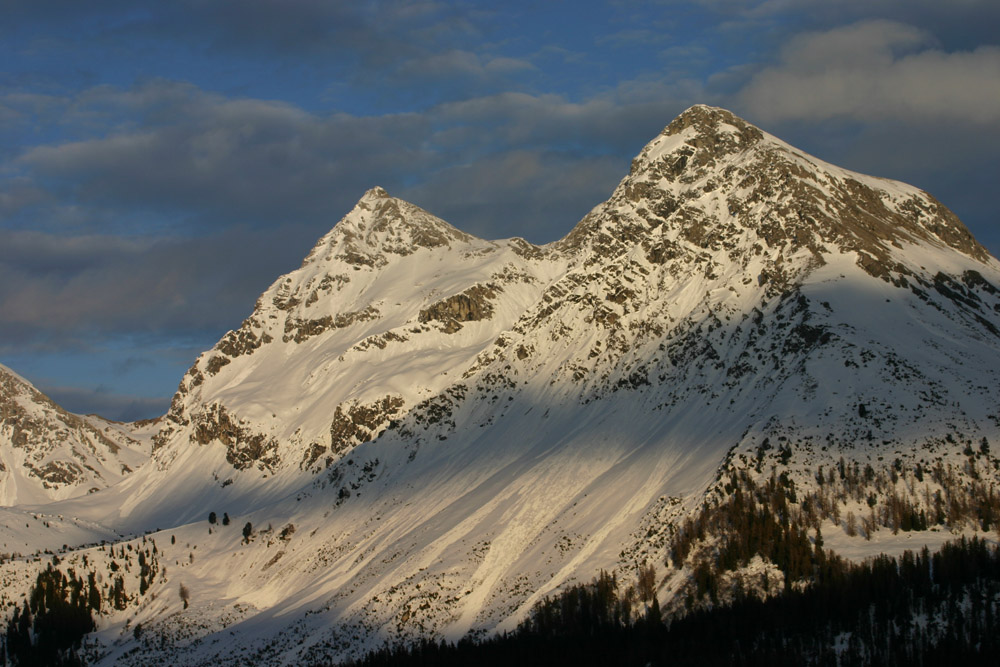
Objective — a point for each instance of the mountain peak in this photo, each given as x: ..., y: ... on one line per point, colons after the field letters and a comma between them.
x: 374, y: 194
x: 712, y: 176
x: 423, y: 432
x: 698, y: 137
x: 385, y: 219
x: 706, y: 118
x: 47, y: 453
x: 381, y: 225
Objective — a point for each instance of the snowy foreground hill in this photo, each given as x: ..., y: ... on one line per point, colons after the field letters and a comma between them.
x: 419, y: 433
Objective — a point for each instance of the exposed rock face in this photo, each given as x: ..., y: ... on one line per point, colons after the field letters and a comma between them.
x: 471, y: 305
x: 301, y: 330
x: 395, y: 228
x: 362, y: 423
x: 244, y: 340
x: 244, y: 447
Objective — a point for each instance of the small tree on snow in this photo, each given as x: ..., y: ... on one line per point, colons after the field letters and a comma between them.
x: 185, y: 595
x: 647, y: 582
x: 247, y: 531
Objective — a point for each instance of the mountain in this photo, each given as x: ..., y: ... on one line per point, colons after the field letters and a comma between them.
x: 422, y: 433
x: 49, y: 454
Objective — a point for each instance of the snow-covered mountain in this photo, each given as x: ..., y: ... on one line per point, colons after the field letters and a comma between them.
x: 419, y: 432
x: 49, y: 454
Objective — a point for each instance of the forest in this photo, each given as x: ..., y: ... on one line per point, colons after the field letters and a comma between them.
x: 50, y: 625
x: 919, y: 609
x: 757, y: 587
x: 806, y: 606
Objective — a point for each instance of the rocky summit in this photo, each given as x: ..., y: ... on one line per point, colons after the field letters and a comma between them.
x: 419, y: 433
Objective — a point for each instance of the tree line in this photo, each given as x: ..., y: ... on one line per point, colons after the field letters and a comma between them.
x: 919, y: 609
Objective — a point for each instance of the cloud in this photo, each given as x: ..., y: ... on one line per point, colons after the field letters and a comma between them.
x: 873, y: 71
x: 376, y: 33
x: 170, y: 158
x: 186, y: 204
x: 230, y: 159
x: 355, y: 38
x: 633, y: 37
x: 102, y: 401
x: 69, y: 292
x: 619, y: 121
x: 20, y: 193
x: 538, y: 195
x: 45, y: 253
x: 463, y: 64
x: 131, y: 364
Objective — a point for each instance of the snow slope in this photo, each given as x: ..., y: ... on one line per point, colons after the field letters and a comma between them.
x: 423, y: 433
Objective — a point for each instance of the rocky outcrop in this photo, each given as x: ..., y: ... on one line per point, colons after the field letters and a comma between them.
x: 469, y: 306
x: 361, y: 423
x: 244, y: 340
x: 300, y: 330
x: 245, y: 448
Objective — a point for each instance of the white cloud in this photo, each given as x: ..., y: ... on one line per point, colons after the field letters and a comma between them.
x: 876, y: 70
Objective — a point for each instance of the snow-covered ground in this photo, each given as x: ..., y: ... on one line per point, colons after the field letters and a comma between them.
x: 885, y: 542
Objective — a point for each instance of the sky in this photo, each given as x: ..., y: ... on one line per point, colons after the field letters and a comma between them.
x: 161, y: 163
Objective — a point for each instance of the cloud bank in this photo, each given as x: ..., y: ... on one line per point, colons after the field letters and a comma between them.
x: 877, y: 70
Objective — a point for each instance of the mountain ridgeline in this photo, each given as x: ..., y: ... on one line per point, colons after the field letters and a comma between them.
x: 425, y: 435
x: 49, y: 454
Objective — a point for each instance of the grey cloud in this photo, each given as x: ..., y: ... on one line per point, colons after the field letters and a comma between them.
x: 536, y: 195
x: 860, y: 45
x: 45, y: 253
x: 633, y: 37
x: 63, y: 292
x: 130, y: 364
x: 873, y: 71
x: 173, y: 152
x: 843, y: 8
x: 19, y: 193
x: 462, y: 65
x: 496, y: 166
x: 618, y: 122
x: 237, y: 159
x: 375, y: 34
x: 101, y: 401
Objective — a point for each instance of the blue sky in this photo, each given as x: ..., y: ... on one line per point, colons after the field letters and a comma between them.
x: 161, y: 163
